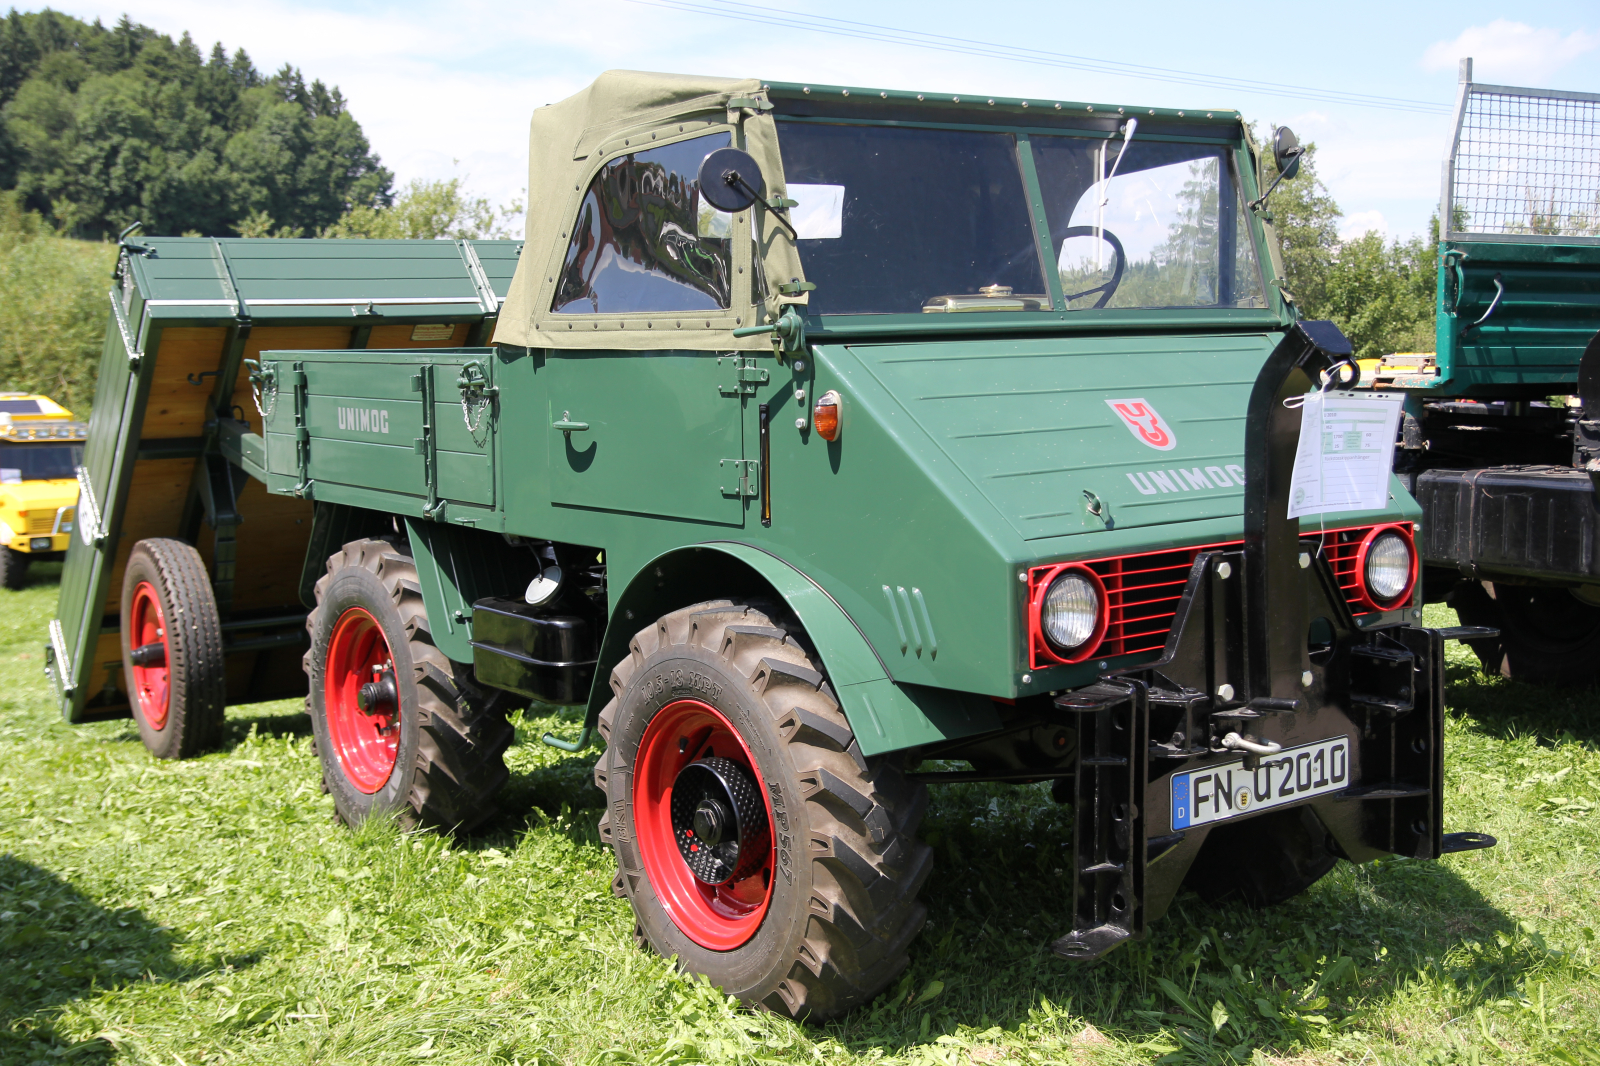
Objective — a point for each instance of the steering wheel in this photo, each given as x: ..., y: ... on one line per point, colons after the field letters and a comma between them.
x: 1110, y: 287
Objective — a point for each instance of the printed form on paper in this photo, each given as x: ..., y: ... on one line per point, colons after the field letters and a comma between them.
x: 1346, y: 452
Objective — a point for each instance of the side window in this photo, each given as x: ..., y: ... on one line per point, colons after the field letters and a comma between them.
x: 643, y: 241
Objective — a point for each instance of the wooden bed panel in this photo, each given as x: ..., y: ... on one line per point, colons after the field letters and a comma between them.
x: 175, y: 407
x: 269, y: 548
x: 107, y: 664
x: 154, y: 509
x: 399, y: 336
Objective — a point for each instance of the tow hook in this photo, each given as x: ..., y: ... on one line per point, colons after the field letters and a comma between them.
x: 1235, y: 742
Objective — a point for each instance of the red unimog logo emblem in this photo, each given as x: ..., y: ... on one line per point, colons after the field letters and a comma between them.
x: 1143, y: 422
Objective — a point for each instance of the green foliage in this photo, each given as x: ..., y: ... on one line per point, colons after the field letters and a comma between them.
x: 52, y: 308
x: 1380, y: 294
x: 101, y: 127
x: 211, y: 911
x: 429, y: 210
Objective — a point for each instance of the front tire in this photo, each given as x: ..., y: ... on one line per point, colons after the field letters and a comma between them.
x: 1547, y: 635
x: 172, y: 658
x: 13, y: 568
x: 400, y: 729
x: 822, y: 922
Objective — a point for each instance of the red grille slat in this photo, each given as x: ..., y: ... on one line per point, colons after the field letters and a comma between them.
x: 1142, y: 591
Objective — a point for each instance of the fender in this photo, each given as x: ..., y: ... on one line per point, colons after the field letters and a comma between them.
x: 885, y: 715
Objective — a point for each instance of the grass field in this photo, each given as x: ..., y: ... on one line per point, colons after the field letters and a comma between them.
x: 212, y: 912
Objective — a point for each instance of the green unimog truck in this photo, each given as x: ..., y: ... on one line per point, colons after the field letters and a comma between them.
x: 827, y: 444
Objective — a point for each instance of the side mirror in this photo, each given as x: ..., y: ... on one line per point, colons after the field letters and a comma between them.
x: 1286, y: 151
x: 730, y: 180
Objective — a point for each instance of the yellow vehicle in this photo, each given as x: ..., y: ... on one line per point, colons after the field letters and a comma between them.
x: 41, y: 448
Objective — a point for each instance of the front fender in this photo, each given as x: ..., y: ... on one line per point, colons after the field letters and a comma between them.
x: 885, y: 715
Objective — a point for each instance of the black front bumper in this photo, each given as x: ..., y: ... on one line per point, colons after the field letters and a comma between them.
x: 1137, y: 731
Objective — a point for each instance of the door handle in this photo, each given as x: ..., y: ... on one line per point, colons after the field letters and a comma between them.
x: 566, y: 425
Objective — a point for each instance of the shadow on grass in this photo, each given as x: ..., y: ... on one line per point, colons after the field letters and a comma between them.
x: 238, y: 727
x: 60, y: 946
x: 1504, y: 708
x: 42, y: 574
x: 1283, y: 975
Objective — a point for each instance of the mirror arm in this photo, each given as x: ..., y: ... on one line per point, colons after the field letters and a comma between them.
x: 1283, y: 172
x: 776, y: 206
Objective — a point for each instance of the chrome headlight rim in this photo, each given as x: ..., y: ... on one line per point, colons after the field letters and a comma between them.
x: 1395, y: 593
x: 1085, y: 580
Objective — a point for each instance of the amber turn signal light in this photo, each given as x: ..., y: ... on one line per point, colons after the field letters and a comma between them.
x: 825, y: 416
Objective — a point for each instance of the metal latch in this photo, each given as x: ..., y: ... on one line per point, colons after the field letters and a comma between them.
x: 747, y: 375
x: 748, y: 472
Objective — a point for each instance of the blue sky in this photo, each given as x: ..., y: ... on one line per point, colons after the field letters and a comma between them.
x: 447, y: 89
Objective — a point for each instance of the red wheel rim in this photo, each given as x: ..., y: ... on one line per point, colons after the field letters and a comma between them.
x: 147, y: 626
x: 364, y: 744
x: 725, y: 916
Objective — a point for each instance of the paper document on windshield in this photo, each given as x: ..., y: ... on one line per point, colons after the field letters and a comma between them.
x: 1346, y: 452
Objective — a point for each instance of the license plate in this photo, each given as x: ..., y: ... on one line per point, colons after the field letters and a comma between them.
x: 1218, y: 793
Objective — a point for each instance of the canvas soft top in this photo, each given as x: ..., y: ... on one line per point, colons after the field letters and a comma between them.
x: 567, y: 143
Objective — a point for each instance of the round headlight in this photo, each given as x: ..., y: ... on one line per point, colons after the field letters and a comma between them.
x: 1388, y: 566
x: 1071, y: 610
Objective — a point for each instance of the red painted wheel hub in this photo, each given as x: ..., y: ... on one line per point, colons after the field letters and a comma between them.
x: 364, y: 731
x: 719, y: 917
x: 147, y: 633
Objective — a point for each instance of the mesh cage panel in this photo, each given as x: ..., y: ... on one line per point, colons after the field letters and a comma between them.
x: 1527, y: 165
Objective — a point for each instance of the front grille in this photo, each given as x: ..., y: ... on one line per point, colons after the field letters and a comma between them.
x: 41, y: 521
x: 1142, y: 592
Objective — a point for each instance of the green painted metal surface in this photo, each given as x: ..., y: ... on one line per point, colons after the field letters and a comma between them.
x: 1531, y: 342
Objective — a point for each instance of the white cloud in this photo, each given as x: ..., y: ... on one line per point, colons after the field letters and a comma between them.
x: 1507, y: 51
x: 1361, y: 223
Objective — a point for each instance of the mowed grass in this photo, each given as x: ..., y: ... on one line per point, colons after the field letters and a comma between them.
x: 212, y: 911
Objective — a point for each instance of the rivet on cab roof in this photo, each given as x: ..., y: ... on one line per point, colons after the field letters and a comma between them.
x: 1058, y: 107
x: 956, y: 99
x: 1208, y: 114
x: 1024, y: 103
x: 1119, y: 110
x: 919, y: 96
x: 806, y: 90
x: 1089, y: 107
x: 991, y: 103
x: 847, y: 92
x: 884, y: 95
x: 1180, y: 114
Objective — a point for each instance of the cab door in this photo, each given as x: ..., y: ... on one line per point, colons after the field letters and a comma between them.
x: 637, y: 425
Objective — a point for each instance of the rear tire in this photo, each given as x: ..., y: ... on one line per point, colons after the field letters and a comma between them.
x: 842, y: 860
x: 433, y: 754
x: 1262, y: 861
x: 13, y: 568
x: 177, y: 683
x: 1547, y: 635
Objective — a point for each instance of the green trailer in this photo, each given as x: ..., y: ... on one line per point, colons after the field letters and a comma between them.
x: 830, y: 444
x: 1500, y: 439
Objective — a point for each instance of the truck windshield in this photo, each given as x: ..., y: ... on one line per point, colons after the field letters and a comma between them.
x: 901, y: 220
x: 1170, y: 211
x: 38, y: 462
x: 891, y: 217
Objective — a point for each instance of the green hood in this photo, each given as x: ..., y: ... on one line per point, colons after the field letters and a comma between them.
x: 1034, y: 423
